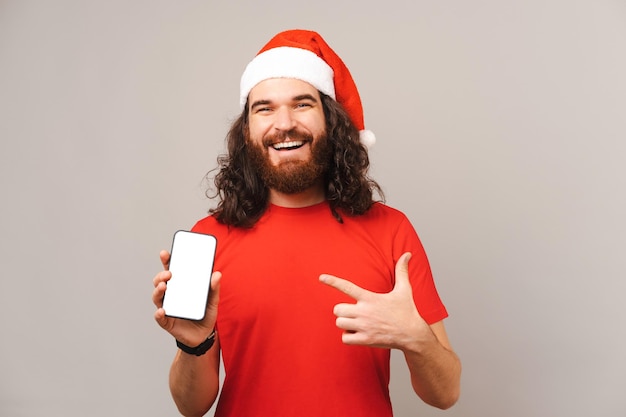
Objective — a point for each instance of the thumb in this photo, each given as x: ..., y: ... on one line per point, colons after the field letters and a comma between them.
x: 214, y: 294
x: 402, y: 273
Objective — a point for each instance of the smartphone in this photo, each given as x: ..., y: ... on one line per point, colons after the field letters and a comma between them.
x: 191, y: 265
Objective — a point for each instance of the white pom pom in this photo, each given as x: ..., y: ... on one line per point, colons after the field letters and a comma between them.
x: 367, y: 138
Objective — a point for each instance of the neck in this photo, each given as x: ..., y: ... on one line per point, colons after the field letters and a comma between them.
x: 308, y: 197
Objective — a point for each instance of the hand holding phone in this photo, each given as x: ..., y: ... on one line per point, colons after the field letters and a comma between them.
x: 191, y: 266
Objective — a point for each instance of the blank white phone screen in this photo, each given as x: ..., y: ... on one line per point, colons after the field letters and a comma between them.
x: 191, y: 265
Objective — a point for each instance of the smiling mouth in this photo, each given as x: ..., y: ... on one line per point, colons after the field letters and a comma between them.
x: 288, y: 146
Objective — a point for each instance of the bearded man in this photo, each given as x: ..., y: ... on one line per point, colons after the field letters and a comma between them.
x: 313, y: 285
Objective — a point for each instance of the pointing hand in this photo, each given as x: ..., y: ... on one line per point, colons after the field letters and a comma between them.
x: 388, y: 320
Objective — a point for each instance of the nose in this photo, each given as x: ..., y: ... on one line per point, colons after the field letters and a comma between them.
x: 284, y: 119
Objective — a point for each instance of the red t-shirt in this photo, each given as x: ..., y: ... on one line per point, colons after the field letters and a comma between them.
x: 282, y: 352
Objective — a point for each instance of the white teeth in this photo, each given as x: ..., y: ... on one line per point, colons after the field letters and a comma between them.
x: 292, y: 144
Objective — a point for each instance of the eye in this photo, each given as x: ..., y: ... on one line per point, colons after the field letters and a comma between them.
x: 303, y: 105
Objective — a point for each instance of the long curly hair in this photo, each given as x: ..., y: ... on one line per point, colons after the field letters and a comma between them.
x: 243, y: 197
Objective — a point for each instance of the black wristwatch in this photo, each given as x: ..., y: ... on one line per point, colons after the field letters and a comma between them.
x: 199, y: 350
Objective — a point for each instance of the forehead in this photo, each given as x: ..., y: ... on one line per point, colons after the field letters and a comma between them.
x: 279, y: 89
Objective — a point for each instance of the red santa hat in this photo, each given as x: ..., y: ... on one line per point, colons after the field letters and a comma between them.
x: 304, y: 55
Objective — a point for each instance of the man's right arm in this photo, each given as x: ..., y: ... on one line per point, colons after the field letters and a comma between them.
x: 194, y: 381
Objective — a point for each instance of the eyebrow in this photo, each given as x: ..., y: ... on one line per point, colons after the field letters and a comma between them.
x: 259, y: 103
x: 300, y: 97
x: 305, y: 97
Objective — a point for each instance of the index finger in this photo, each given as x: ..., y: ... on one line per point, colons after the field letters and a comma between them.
x: 165, y: 259
x: 345, y: 286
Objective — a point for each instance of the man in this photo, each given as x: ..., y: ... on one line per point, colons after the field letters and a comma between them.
x: 313, y: 281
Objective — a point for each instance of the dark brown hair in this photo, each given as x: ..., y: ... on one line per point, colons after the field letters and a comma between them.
x: 243, y: 197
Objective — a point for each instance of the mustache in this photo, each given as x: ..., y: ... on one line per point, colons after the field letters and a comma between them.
x: 281, y: 136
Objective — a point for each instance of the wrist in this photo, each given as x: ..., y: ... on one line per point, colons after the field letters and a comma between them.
x: 420, y: 342
x: 200, y: 349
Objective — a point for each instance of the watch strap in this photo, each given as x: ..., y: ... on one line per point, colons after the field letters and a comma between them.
x: 199, y: 350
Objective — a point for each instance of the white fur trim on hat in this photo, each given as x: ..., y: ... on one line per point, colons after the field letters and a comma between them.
x: 287, y: 62
x: 367, y: 138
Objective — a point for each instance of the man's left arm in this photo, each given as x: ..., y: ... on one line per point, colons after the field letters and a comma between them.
x: 435, y: 368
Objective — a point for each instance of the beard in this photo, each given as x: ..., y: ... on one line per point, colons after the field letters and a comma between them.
x: 291, y: 176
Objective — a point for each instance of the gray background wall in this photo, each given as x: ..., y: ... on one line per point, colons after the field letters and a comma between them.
x: 500, y: 131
